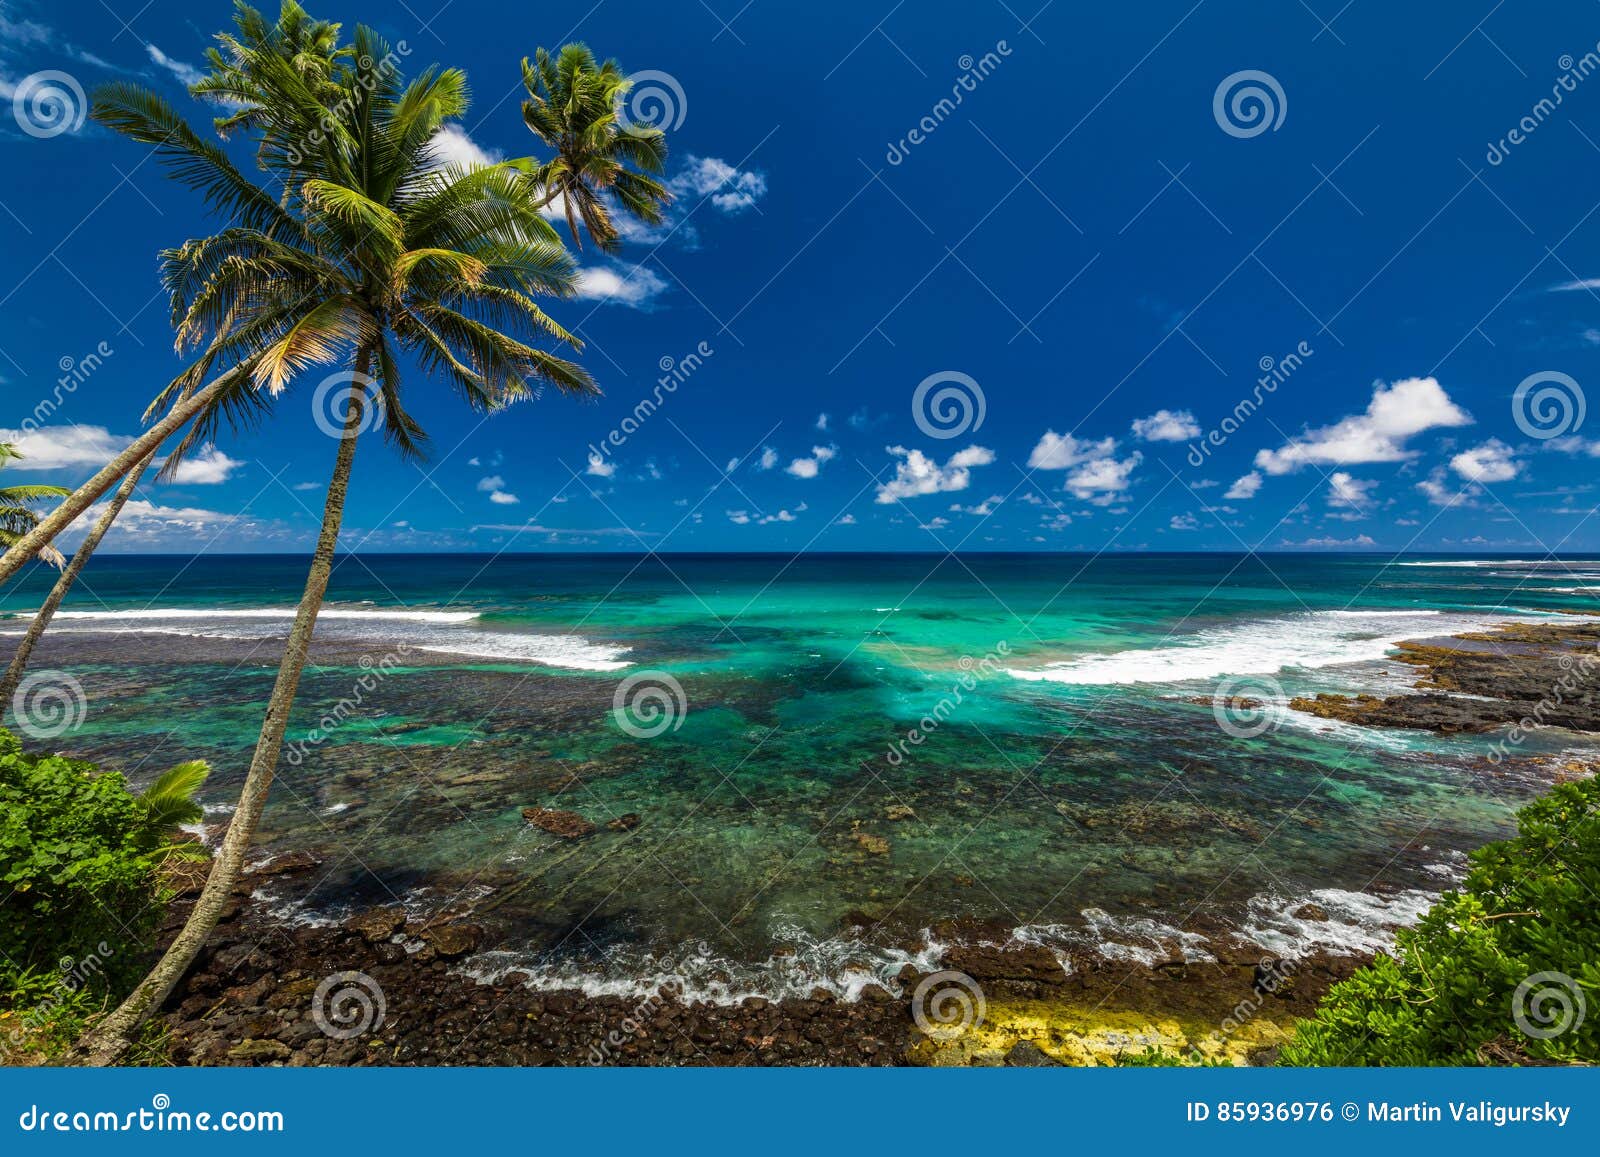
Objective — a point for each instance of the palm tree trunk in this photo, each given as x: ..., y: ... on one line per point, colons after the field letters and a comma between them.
x: 111, y: 1038
x: 84, y: 496
x: 41, y: 619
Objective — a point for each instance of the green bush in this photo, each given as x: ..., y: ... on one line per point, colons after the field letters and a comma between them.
x: 80, y: 859
x: 1505, y: 971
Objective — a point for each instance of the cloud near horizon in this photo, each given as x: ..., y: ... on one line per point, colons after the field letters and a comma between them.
x: 1397, y: 412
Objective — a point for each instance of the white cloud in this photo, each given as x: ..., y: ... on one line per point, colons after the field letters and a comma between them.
x: 918, y: 474
x: 1582, y: 283
x: 1167, y: 426
x: 733, y: 464
x: 494, y: 487
x: 1063, y: 451
x: 982, y: 509
x: 738, y: 517
x: 1245, y: 487
x: 768, y: 459
x: 1396, y: 413
x: 187, y: 74
x: 731, y: 190
x: 452, y: 146
x: 1184, y: 522
x: 846, y: 520
x: 207, y: 468
x: 308, y: 486
x: 1574, y: 445
x: 808, y: 467
x: 1349, y: 493
x: 635, y: 286
x: 1104, y: 480
x: 1359, y: 540
x: 64, y: 447
x: 822, y: 421
x: 1442, y: 492
x: 1490, y: 462
x: 599, y: 467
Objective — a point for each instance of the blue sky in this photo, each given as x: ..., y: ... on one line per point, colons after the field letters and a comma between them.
x: 1095, y: 251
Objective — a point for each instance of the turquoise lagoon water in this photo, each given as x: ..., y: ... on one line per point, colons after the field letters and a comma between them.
x: 838, y: 762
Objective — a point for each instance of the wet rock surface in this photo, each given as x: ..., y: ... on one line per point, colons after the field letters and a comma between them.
x: 1521, y: 674
x: 381, y: 990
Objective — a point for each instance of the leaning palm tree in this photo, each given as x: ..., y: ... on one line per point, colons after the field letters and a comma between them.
x: 18, y: 517
x: 311, y: 47
x: 574, y: 107
x: 388, y: 251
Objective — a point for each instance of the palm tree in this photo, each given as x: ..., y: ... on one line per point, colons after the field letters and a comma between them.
x: 379, y: 247
x: 573, y: 106
x: 17, y: 516
x: 312, y: 49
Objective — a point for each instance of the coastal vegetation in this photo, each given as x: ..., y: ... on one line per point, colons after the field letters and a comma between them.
x: 18, y: 513
x: 85, y: 864
x: 1505, y: 970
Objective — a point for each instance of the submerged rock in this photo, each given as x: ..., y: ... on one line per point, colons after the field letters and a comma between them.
x: 567, y: 825
x: 378, y: 923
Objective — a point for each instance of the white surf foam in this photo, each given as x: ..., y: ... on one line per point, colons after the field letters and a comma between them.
x: 1356, y: 922
x: 1134, y: 939
x: 1263, y: 647
x: 843, y: 965
x: 434, y: 631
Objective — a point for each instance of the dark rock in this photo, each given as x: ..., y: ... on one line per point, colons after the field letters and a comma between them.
x: 378, y: 923
x: 452, y: 940
x: 567, y: 825
x: 1310, y: 912
x: 259, y: 1051
x: 286, y: 864
x: 624, y: 823
x: 1027, y: 1055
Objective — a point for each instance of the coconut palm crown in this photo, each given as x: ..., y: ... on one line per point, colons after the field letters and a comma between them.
x: 373, y: 246
x: 574, y: 106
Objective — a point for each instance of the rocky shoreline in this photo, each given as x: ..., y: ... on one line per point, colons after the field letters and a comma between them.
x: 381, y: 990
x: 1514, y: 677
x: 377, y: 990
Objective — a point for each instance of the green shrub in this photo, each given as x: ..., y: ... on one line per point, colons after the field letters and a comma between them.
x: 1505, y: 971
x: 79, y: 866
